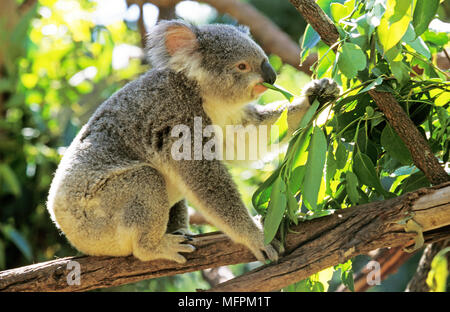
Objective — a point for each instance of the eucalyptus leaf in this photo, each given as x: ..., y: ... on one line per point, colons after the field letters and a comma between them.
x: 364, y: 168
x: 351, y: 60
x: 279, y: 129
x: 424, y: 13
x: 395, y: 146
x: 394, y: 23
x: 289, y: 96
x: 314, y: 168
x: 352, y: 187
x: 275, y: 210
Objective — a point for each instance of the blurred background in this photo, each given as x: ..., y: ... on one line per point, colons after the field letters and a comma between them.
x: 60, y: 59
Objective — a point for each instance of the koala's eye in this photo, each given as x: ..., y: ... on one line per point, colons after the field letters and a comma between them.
x: 243, y: 66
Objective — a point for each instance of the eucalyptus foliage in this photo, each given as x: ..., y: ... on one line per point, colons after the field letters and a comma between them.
x: 356, y: 157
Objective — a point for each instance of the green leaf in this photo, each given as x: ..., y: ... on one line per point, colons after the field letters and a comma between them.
x: 372, y: 85
x: 309, y: 115
x: 296, y: 179
x: 442, y: 99
x: 331, y: 169
x: 414, y: 182
x: 262, y: 193
x: 314, y: 168
x: 16, y: 237
x: 279, y: 129
x: 352, y: 187
x: 292, y: 205
x: 346, y: 274
x: 438, y: 39
x: 299, y: 147
x: 395, y: 146
x: 437, y: 277
x: 365, y: 170
x: 310, y: 39
x: 394, y: 23
x: 339, y: 11
x: 341, y: 156
x: 423, y: 14
x: 11, y: 181
x: 289, y: 96
x: 351, y: 60
x: 400, y: 71
x: 275, y: 210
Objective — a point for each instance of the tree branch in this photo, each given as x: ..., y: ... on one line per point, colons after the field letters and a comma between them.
x: 325, y: 242
x: 313, y: 246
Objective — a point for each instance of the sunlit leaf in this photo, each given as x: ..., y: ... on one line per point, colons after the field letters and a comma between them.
x: 351, y: 60
x: 394, y: 23
x: 437, y: 276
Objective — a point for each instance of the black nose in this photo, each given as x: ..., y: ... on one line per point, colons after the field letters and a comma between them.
x: 268, y: 73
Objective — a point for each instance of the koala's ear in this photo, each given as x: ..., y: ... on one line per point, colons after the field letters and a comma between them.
x: 180, y: 37
x: 168, y: 37
x: 243, y: 29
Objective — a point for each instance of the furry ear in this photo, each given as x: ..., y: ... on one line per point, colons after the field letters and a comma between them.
x: 166, y: 39
x: 243, y: 29
x: 180, y: 37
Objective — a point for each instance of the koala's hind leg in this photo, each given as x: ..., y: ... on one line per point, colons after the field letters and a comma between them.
x: 179, y: 219
x: 146, y: 216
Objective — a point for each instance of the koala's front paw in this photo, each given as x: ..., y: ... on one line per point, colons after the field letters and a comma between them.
x: 324, y: 90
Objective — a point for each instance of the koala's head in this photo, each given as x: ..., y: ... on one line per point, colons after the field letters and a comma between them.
x: 227, y: 64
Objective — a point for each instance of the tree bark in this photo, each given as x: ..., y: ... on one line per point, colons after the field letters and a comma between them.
x: 313, y: 245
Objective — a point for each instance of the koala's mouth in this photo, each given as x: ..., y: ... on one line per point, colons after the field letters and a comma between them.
x: 259, y: 88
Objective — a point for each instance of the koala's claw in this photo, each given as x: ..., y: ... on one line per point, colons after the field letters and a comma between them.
x: 175, y: 244
x: 324, y: 90
x: 185, y: 233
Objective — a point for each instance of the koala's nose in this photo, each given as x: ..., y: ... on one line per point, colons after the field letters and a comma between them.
x: 268, y: 73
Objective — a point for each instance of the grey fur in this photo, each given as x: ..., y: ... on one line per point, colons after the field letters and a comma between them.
x: 118, y: 191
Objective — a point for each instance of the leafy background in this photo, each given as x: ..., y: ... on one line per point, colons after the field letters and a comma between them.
x: 63, y: 58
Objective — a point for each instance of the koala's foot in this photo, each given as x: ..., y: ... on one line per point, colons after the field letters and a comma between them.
x: 324, y: 90
x: 168, y: 248
x: 264, y: 252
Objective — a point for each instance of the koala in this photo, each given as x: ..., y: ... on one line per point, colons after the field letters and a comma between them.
x: 119, y: 191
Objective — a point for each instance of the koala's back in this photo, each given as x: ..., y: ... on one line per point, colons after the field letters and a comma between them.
x: 128, y: 131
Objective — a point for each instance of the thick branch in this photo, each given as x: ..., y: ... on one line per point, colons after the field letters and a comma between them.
x: 318, y: 20
x: 313, y: 246
x: 328, y: 241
